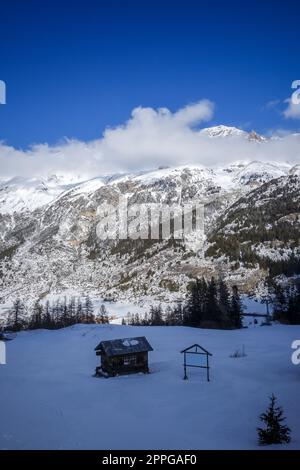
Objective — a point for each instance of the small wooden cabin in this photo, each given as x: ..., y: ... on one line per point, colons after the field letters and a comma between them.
x: 123, y: 356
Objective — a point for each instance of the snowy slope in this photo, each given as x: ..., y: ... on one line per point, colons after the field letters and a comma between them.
x: 49, y: 399
x: 27, y: 194
x: 256, y: 173
x: 223, y: 131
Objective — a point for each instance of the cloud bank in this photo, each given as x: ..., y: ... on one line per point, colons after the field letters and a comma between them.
x: 150, y: 138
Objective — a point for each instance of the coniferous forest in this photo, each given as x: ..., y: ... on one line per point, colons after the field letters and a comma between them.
x: 52, y: 316
x: 210, y: 304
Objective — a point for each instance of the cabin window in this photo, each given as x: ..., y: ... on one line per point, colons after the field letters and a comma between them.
x: 130, y: 360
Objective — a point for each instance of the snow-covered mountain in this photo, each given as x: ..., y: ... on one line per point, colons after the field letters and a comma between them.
x: 49, y: 243
x: 20, y: 194
x: 256, y: 173
x: 54, y: 248
x: 222, y: 131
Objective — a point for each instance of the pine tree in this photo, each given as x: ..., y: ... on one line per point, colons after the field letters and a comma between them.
x: 275, y: 432
x: 47, y: 320
x: 293, y: 309
x: 224, y: 302
x: 202, y: 299
x: 145, y: 320
x: 266, y: 296
x: 103, y: 316
x: 72, y: 311
x: 236, y: 309
x: 195, y: 305
x: 178, y: 315
x: 213, y: 312
x: 88, y: 310
x: 174, y: 316
x: 16, y: 316
x: 57, y: 314
x: 79, y: 312
x: 279, y: 303
x: 65, y: 313
x: 37, y: 316
x: 156, y: 317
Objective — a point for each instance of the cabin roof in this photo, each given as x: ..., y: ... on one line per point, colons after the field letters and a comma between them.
x: 123, y: 346
x: 195, y: 348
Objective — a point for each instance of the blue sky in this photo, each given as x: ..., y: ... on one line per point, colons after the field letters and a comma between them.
x: 74, y: 68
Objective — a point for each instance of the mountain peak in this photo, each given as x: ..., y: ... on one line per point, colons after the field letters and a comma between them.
x: 229, y: 131
x: 223, y: 131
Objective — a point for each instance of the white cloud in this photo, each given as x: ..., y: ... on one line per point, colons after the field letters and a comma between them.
x: 272, y: 104
x: 194, y: 113
x: 292, y: 110
x: 150, y: 138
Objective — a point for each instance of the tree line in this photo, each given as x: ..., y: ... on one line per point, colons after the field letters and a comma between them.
x: 58, y: 314
x: 210, y: 304
x: 286, y: 304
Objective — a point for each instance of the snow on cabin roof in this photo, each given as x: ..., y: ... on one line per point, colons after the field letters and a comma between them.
x: 117, y: 347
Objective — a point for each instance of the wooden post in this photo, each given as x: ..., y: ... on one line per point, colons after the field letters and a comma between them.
x: 185, y: 376
x: 207, y: 364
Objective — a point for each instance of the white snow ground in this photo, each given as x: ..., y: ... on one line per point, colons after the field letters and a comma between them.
x: 49, y: 399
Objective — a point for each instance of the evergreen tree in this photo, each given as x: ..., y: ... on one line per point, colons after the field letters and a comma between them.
x: 275, y: 432
x: 47, y: 320
x: 57, y: 312
x: 236, y: 309
x: 16, y: 316
x: 194, y: 309
x: 266, y: 296
x: 145, y: 320
x: 279, y: 303
x: 224, y: 302
x: 293, y: 309
x: 174, y: 316
x: 178, y: 314
x: 156, y: 316
x: 65, y: 314
x: 169, y: 316
x: 36, y: 320
x: 103, y: 316
x: 88, y: 310
x: 72, y: 311
x: 213, y: 312
x: 79, y: 312
x: 202, y: 299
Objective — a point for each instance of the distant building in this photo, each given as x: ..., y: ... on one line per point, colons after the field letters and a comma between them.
x: 123, y: 356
